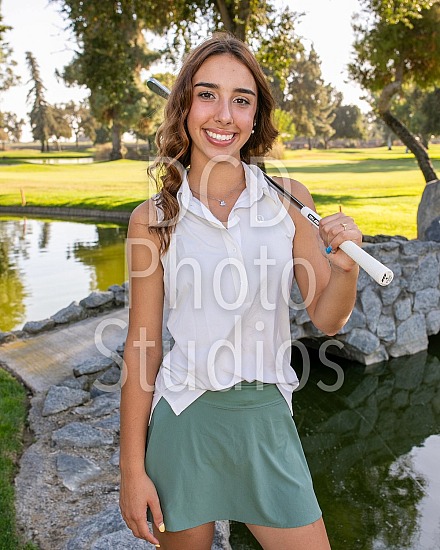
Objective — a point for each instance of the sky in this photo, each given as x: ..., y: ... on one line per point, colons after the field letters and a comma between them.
x: 38, y: 26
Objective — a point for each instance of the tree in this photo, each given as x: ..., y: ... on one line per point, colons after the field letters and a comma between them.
x: 7, y: 64
x: 430, y: 109
x: 401, y: 45
x: 112, y: 54
x: 308, y: 99
x: 328, y: 100
x: 348, y: 123
x: 42, y: 116
x: 11, y: 126
x: 80, y: 120
x: 61, y: 128
x: 284, y: 124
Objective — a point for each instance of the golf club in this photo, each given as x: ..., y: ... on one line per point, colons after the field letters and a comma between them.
x: 379, y: 272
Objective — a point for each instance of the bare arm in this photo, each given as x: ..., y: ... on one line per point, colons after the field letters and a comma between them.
x: 142, y: 359
x: 329, y: 280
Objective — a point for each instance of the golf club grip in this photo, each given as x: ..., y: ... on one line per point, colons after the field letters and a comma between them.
x: 379, y: 272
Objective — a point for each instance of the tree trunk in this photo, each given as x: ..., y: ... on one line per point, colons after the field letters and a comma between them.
x: 116, y: 153
x: 225, y: 15
x: 412, y: 143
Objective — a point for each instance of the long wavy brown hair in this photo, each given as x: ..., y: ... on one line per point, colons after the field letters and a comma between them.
x: 173, y: 140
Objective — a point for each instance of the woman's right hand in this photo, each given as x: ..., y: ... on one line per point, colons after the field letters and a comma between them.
x: 136, y: 494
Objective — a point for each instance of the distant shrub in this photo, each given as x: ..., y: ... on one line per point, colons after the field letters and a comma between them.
x: 103, y: 150
x: 277, y: 151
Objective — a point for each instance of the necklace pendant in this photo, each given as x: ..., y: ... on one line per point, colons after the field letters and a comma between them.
x: 222, y: 203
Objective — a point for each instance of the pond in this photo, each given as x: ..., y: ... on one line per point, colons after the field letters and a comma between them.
x: 46, y: 264
x: 59, y: 160
x: 372, y: 445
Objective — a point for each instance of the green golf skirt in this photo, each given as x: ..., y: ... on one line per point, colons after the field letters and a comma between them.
x: 231, y: 455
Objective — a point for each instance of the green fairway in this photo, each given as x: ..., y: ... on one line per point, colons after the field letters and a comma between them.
x: 381, y: 189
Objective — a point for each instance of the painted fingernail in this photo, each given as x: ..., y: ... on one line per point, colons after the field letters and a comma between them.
x: 162, y: 527
x: 328, y: 249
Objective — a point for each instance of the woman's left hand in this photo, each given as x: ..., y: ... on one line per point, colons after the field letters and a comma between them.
x: 334, y: 230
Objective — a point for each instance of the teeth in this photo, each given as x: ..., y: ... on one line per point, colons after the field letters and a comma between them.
x: 220, y: 137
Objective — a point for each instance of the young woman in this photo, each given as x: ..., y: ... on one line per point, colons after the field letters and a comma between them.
x: 207, y: 431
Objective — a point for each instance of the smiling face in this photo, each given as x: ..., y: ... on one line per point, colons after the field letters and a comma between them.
x: 223, y: 108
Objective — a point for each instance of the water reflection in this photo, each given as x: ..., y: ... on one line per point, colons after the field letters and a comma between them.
x: 59, y: 160
x: 373, y: 449
x: 44, y: 265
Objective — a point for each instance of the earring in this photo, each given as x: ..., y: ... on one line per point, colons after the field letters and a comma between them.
x: 253, y: 131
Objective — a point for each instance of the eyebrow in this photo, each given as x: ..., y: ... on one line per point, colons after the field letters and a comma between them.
x: 216, y: 87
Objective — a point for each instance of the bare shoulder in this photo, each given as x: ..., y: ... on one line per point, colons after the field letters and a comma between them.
x: 299, y: 191
x: 141, y: 218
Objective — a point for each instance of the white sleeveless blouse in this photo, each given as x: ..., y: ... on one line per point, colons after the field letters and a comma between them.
x: 227, y: 293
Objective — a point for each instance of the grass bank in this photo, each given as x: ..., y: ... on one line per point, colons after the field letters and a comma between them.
x: 381, y: 189
x: 13, y: 410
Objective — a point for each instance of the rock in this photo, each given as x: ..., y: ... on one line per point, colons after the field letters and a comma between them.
x: 121, y: 299
x: 61, y: 398
x: 81, y: 434
x: 372, y: 307
x: 428, y: 226
x: 111, y: 376
x: 96, y: 299
x: 110, y: 423
x: 121, y: 540
x: 390, y: 293
x: 386, y: 329
x: 402, y: 309
x: 101, y: 405
x: 433, y: 322
x: 433, y: 231
x: 363, y: 340
x: 411, y: 337
x: 7, y: 337
x: 426, y: 299
x: 73, y: 312
x: 33, y: 327
x: 92, y: 365
x: 74, y: 470
x: 114, y: 460
x: 116, y: 288
x: 426, y: 276
x: 107, y: 521
x: 80, y: 383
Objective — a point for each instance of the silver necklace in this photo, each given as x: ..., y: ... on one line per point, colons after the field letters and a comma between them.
x: 221, y: 201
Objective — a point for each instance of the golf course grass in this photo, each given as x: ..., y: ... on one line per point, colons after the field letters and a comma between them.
x: 381, y: 189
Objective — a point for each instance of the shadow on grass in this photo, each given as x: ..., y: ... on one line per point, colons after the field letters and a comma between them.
x: 363, y: 166
x: 12, y: 162
x: 325, y: 198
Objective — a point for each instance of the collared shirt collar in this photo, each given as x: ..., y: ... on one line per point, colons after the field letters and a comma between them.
x: 256, y: 186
